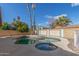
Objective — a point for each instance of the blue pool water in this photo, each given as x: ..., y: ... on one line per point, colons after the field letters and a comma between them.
x: 45, y: 46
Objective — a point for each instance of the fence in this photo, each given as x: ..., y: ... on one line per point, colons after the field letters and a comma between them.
x: 52, y: 32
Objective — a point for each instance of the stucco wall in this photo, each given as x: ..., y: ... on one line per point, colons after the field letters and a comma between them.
x: 67, y: 32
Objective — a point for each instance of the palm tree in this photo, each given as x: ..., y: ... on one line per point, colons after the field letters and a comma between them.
x: 29, y: 10
x: 33, y: 10
x: 61, y: 21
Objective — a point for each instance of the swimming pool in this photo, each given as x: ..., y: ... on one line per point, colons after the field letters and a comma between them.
x: 32, y: 40
x: 45, y: 46
x: 25, y: 40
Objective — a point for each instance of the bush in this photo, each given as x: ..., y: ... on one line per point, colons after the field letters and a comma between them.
x: 5, y: 26
x: 20, y: 26
x: 16, y: 25
x: 24, y: 28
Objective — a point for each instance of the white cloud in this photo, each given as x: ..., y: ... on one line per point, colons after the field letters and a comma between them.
x: 53, y: 18
x: 74, y: 4
x: 56, y: 17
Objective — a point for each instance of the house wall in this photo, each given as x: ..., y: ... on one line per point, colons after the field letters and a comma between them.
x: 69, y: 32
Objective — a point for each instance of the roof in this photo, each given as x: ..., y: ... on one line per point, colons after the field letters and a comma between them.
x: 70, y: 26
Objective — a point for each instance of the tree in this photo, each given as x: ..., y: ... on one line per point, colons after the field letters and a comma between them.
x: 33, y: 9
x: 5, y: 26
x: 24, y: 28
x: 61, y: 21
x: 30, y: 14
x: 17, y: 22
x: 20, y: 26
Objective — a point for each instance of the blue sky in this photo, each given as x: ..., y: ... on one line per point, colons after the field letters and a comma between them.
x: 43, y: 12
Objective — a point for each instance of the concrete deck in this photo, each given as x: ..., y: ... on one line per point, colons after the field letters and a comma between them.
x: 64, y: 44
x: 71, y: 46
x: 8, y: 48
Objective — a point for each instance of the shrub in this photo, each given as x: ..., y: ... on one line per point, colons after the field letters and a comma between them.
x: 5, y: 26
x: 23, y: 28
x: 20, y: 26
